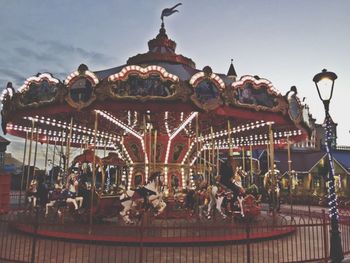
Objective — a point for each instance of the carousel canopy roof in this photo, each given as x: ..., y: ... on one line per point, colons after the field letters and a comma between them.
x: 156, y: 91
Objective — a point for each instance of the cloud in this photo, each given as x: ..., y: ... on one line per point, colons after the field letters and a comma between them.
x: 22, y: 56
x: 7, y: 75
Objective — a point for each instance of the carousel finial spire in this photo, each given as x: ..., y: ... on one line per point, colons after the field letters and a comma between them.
x: 232, y: 72
x: 168, y: 12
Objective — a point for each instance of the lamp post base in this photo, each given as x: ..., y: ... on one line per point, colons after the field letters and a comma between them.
x: 336, y: 251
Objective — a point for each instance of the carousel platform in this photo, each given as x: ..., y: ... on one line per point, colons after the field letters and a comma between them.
x: 174, y: 231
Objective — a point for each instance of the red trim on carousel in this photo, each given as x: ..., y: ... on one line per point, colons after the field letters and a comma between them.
x: 155, y: 240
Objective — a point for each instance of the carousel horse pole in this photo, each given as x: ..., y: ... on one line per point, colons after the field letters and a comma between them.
x: 197, y: 142
x: 251, y: 180
x: 155, y: 149
x: 35, y: 154
x: 30, y: 153
x: 290, y: 176
x: 53, y: 161
x: 23, y: 165
x: 150, y: 151
x: 34, y: 197
x: 68, y: 142
x: 46, y: 153
x: 212, y: 153
x: 229, y: 137
x: 93, y: 174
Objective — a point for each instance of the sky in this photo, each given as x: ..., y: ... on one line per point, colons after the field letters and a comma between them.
x: 284, y: 41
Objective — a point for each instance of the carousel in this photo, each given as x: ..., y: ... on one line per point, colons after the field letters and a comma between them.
x: 154, y: 129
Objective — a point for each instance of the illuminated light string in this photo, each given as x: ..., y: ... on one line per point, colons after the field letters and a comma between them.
x: 234, y: 130
x: 238, y: 142
x: 187, y: 153
x: 135, y: 120
x: 87, y: 73
x: 37, y: 80
x: 142, y: 71
x: 249, y: 78
x: 166, y: 124
x: 225, y: 146
x: 251, y: 140
x: 77, y: 128
x: 172, y: 136
x: 196, y: 78
x: 332, y: 198
x: 119, y: 123
x: 131, y: 131
x: 76, y: 138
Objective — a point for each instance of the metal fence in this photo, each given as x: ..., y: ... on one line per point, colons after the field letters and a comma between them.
x: 171, y: 240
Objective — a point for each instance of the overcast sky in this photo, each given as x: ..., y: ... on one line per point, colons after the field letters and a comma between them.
x: 285, y: 41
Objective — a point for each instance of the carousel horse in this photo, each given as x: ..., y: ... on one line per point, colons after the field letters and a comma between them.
x: 148, y: 194
x: 73, y: 191
x: 32, y: 193
x: 203, y: 198
x: 217, y: 194
x: 63, y: 197
x: 272, y: 185
x: 220, y: 193
x: 237, y: 180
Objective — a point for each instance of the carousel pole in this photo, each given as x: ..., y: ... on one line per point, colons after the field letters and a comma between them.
x: 145, y: 150
x: 272, y: 155
x: 197, y: 143
x: 30, y: 153
x: 81, y: 147
x: 188, y: 162
x: 61, y: 152
x: 23, y: 165
x: 68, y: 142
x: 46, y: 153
x: 243, y: 158
x: 251, y: 165
x: 290, y: 177
x: 35, y: 153
x: 200, y: 155
x: 230, y: 153
x: 150, y: 150
x: 93, y: 186
x: 155, y: 150
x: 212, y: 154
x: 217, y: 160
x: 272, y: 161
x: 205, y: 158
x: 268, y: 156
x: 53, y: 158
x: 243, y: 165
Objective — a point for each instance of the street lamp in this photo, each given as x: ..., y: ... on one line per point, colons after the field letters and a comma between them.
x: 325, y: 83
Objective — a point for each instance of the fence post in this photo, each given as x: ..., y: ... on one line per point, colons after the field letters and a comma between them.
x: 247, y: 229
x: 141, y: 238
x: 36, y: 226
x: 325, y: 235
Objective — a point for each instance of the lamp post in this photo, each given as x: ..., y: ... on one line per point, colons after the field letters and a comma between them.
x: 325, y: 83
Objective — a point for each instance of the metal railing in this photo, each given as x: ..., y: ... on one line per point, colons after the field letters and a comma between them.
x: 259, y: 240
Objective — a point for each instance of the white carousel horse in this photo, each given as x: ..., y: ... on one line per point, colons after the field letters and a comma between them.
x: 130, y: 199
x: 238, y: 182
x: 217, y: 197
x: 32, y: 192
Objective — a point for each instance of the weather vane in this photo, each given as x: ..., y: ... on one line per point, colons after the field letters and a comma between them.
x: 169, y: 11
